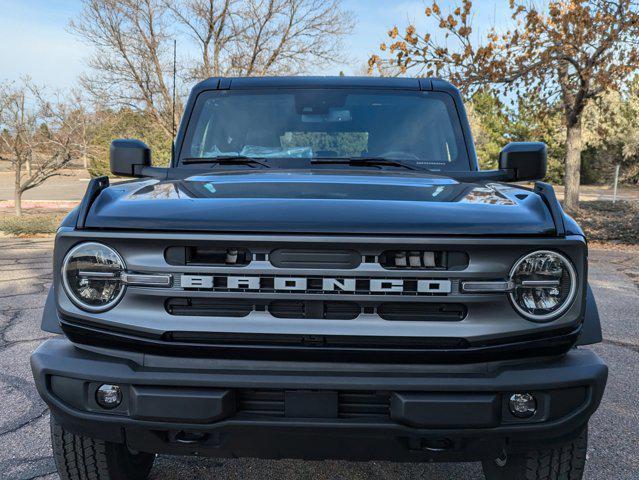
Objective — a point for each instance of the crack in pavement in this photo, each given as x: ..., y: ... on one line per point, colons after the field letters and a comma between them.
x: 44, y: 412
x: 37, y: 407
x: 42, y: 286
x: 11, y: 318
x: 49, y: 277
x: 628, y: 266
x: 618, y: 343
x: 4, y: 269
x: 21, y: 309
x: 37, y: 467
x: 28, y: 245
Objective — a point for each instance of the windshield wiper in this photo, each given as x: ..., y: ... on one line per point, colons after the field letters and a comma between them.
x: 363, y: 162
x: 227, y: 160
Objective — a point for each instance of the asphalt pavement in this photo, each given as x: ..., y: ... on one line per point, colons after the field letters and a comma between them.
x: 25, y: 451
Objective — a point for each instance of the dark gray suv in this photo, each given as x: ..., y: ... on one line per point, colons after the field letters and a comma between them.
x: 322, y: 272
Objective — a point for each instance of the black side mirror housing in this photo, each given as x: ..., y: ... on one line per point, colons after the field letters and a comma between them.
x: 128, y: 157
x: 524, y: 160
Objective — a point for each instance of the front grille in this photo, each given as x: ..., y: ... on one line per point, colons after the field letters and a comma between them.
x: 363, y: 404
x: 422, y: 312
x: 228, y: 299
x: 207, y: 307
x: 266, y: 403
x: 208, y: 256
x: 423, y: 260
x: 317, y: 310
x: 263, y: 403
x: 325, y: 259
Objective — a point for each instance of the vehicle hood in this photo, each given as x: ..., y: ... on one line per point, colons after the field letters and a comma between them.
x: 310, y: 202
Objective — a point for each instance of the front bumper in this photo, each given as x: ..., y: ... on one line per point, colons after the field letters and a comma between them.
x: 288, y: 409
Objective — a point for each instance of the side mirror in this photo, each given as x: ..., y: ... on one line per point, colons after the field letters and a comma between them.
x: 524, y: 160
x: 128, y: 157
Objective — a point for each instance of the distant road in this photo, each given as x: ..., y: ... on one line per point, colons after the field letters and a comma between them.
x: 69, y: 187
x: 72, y: 185
x: 595, y: 192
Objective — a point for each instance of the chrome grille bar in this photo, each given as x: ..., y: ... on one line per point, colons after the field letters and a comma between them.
x: 147, y: 280
x: 488, y: 287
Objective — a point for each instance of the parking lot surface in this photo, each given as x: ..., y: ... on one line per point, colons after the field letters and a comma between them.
x: 25, y: 452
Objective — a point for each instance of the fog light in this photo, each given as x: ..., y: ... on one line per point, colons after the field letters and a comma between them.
x: 522, y: 405
x: 109, y: 396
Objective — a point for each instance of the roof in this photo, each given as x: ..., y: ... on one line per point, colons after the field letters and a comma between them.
x: 403, y: 83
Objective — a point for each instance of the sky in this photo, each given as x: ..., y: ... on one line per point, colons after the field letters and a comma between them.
x: 35, y: 41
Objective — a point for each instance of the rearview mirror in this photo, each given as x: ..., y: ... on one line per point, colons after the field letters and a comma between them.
x: 524, y: 160
x: 128, y: 157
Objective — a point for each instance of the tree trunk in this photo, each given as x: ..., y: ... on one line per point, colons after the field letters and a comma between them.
x: 17, y: 200
x: 17, y: 190
x: 573, y: 167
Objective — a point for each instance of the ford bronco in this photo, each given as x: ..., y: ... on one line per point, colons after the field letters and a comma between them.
x: 322, y: 272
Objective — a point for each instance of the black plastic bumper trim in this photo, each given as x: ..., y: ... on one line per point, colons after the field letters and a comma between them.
x: 323, y: 348
x: 60, y: 358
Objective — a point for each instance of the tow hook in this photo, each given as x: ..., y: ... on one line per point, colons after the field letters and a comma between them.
x: 187, y: 438
x: 502, y: 460
x: 430, y: 444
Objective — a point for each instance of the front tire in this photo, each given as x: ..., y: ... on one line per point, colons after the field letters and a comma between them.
x: 85, y: 458
x: 560, y: 462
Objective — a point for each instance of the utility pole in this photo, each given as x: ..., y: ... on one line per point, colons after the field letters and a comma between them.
x: 614, y: 193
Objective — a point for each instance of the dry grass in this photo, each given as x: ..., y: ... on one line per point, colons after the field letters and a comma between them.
x: 605, y: 222
x: 30, y: 224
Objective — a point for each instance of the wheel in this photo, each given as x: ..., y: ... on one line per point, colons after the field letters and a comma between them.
x: 561, y: 462
x: 86, y: 458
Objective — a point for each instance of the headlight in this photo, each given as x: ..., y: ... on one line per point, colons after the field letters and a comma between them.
x: 91, y: 276
x: 545, y: 284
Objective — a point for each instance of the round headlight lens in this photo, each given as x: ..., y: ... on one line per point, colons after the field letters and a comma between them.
x: 91, y: 276
x: 545, y: 284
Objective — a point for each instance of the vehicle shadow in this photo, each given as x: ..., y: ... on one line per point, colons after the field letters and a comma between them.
x: 191, y: 468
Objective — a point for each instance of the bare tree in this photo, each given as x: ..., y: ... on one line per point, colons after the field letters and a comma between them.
x: 212, y: 25
x: 277, y: 37
x: 132, y: 62
x: 36, y: 132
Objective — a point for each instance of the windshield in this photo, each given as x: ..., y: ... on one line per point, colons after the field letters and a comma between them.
x: 419, y: 129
